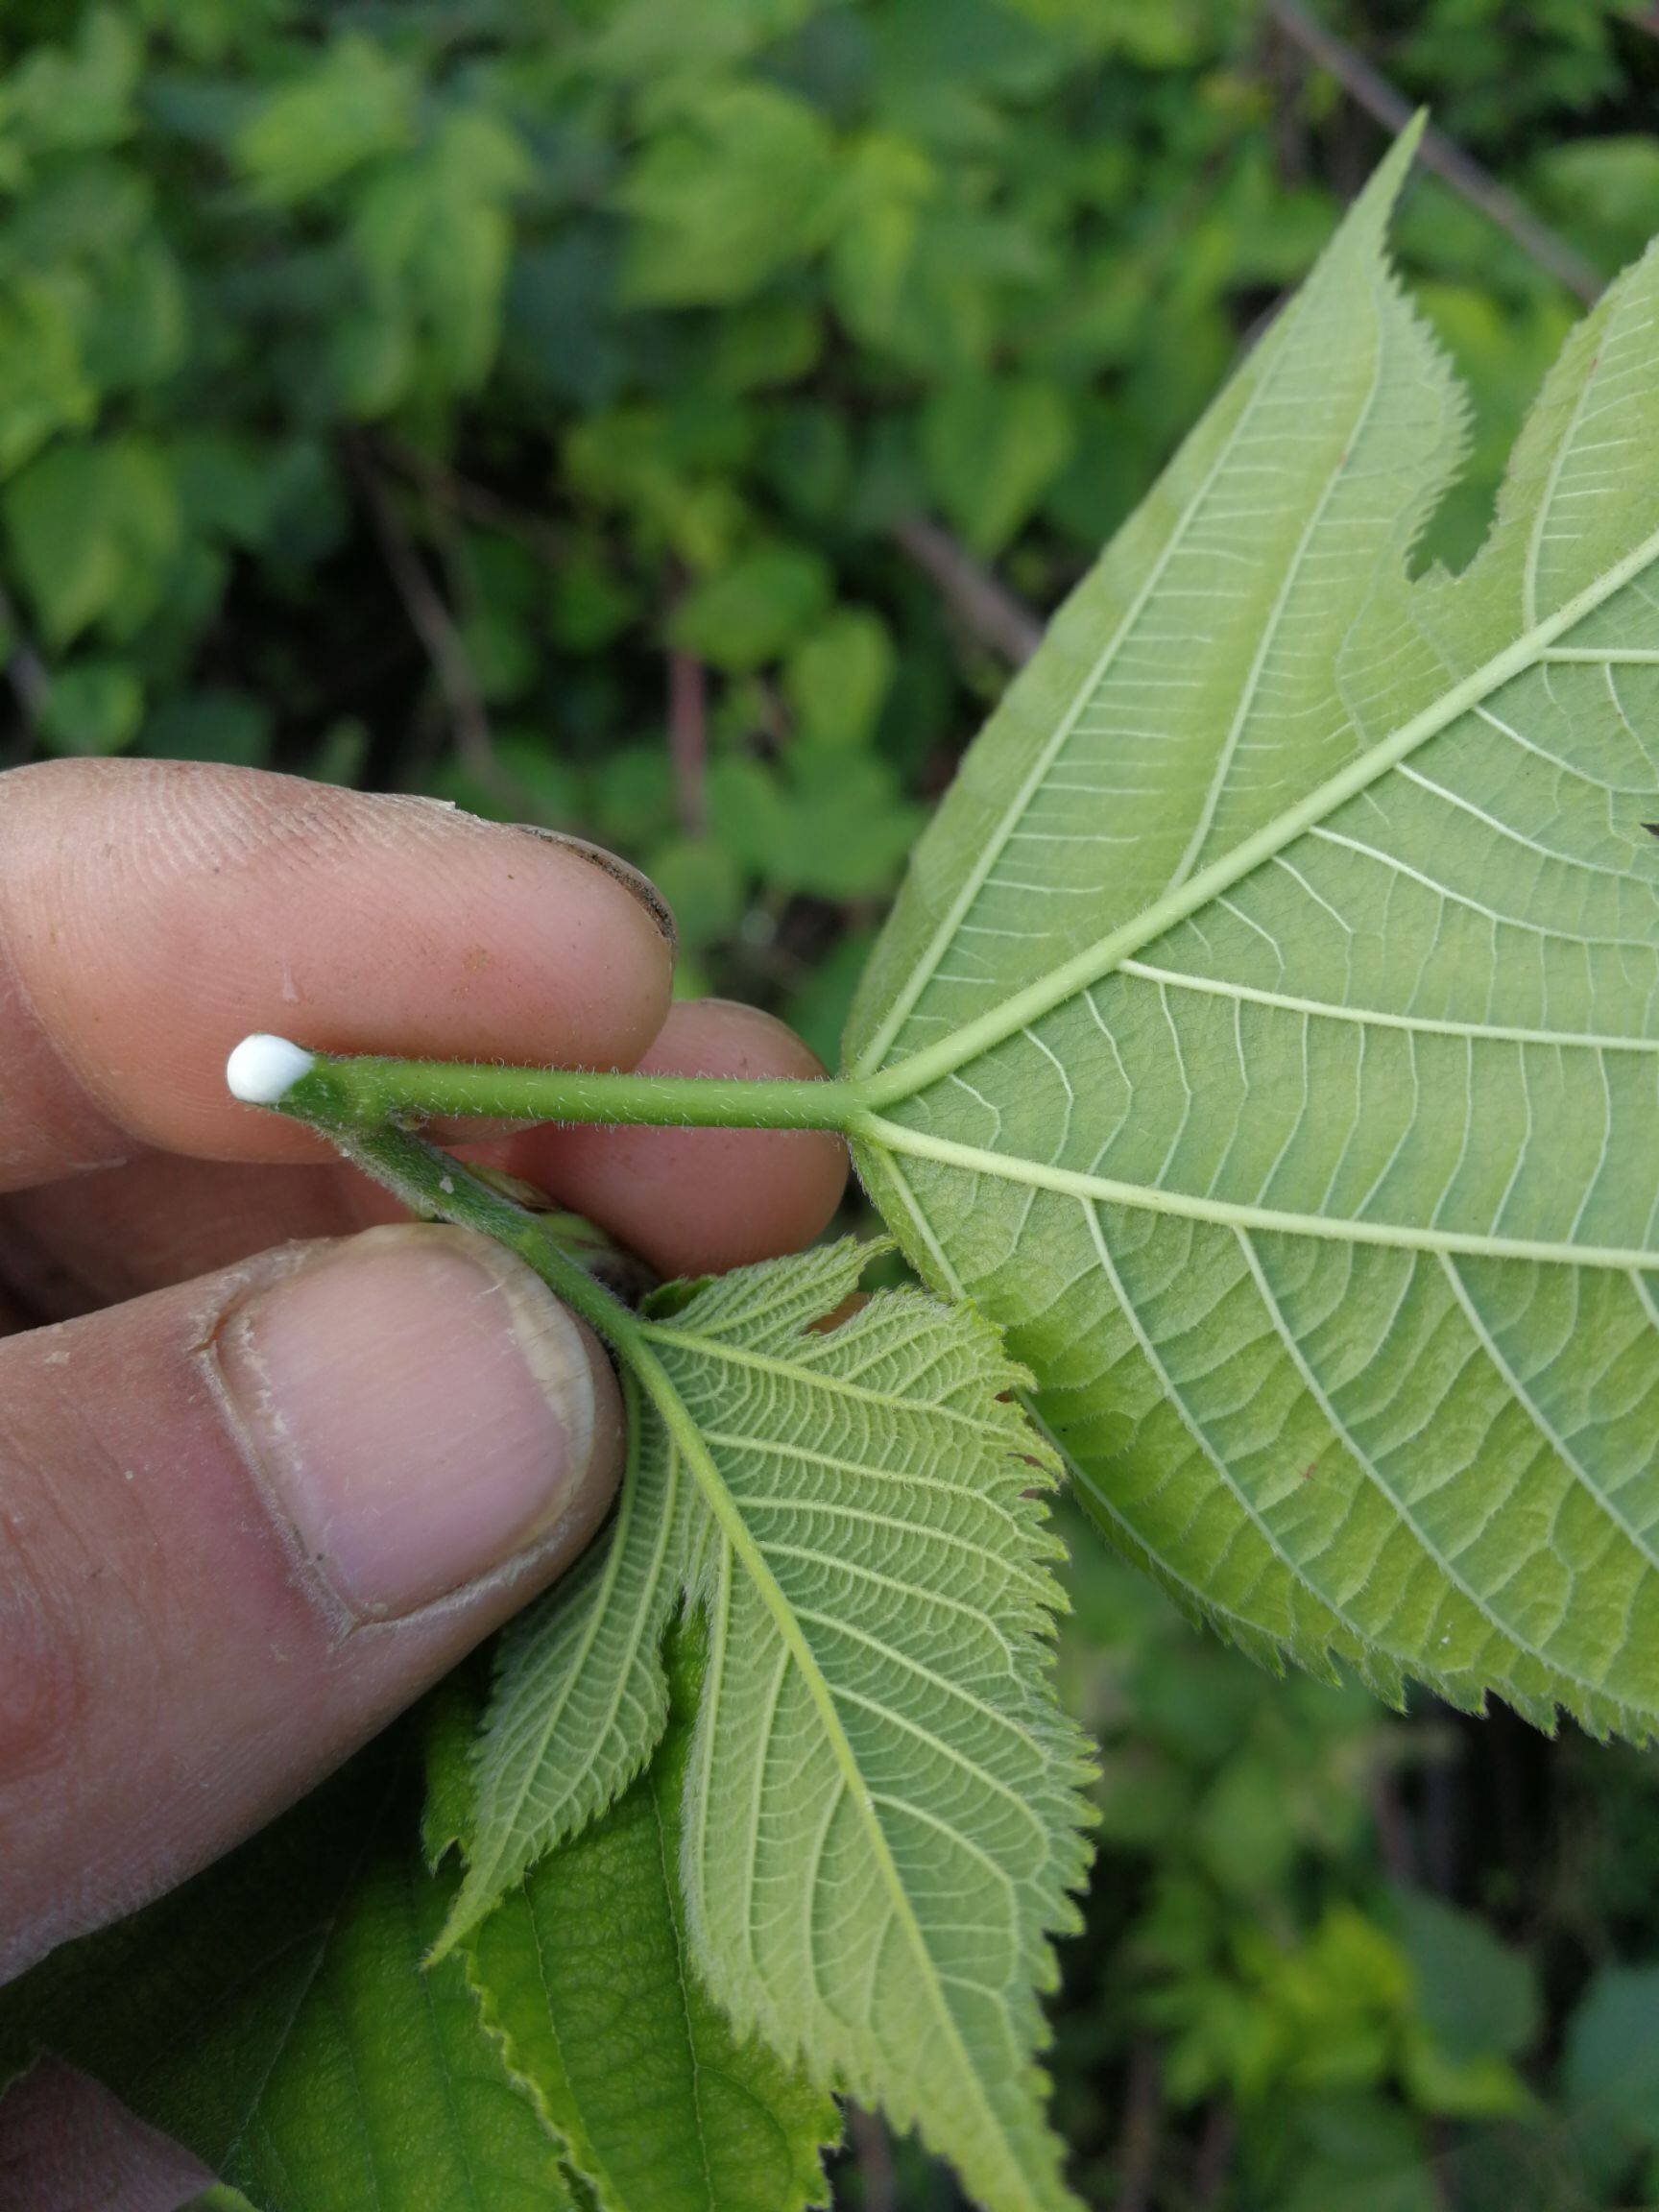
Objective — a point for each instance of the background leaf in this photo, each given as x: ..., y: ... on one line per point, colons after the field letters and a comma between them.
x: 272, y: 2016
x: 587, y: 1973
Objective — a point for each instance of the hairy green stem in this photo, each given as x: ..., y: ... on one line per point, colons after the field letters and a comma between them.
x: 360, y: 1093
x: 431, y: 1181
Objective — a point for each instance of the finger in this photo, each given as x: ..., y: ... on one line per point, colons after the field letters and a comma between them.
x: 245, y: 1520
x: 72, y: 1247
x: 694, y: 1201
x: 66, y: 2145
x: 687, y: 1204
x: 153, y: 913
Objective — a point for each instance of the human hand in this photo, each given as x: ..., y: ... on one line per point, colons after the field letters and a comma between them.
x: 256, y: 1497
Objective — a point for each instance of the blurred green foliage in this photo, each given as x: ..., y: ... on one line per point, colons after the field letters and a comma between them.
x: 625, y: 413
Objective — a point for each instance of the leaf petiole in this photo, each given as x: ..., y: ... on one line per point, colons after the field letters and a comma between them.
x: 345, y: 1094
x: 431, y: 1181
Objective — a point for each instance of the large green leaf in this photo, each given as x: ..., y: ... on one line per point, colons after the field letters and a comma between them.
x: 1268, y: 1035
x: 880, y: 1819
x: 586, y: 1972
x: 273, y: 2017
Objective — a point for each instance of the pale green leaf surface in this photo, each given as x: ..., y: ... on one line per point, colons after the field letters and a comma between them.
x: 273, y: 2017
x: 580, y: 1694
x: 585, y: 1973
x: 1269, y: 1036
x: 881, y: 1819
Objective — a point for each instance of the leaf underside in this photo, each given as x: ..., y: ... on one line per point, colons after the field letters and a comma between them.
x: 879, y: 1816
x: 1270, y: 1022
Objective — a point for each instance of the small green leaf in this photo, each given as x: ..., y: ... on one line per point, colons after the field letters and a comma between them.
x: 75, y: 97
x: 838, y: 676
x: 580, y: 1697
x: 1612, y: 2066
x: 42, y: 371
x: 823, y: 821
x: 1477, y: 1997
x: 701, y: 880
x: 342, y: 110
x: 590, y: 1964
x: 93, y: 530
x: 726, y: 199
x: 992, y: 447
x: 888, y: 184
x: 754, y: 611
x: 433, y: 234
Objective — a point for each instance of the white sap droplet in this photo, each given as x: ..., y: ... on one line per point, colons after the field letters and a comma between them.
x: 262, y: 1069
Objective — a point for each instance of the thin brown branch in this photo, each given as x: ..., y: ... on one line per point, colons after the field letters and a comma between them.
x: 432, y: 623
x: 1371, y: 90
x: 985, y: 607
x: 689, y: 739
x: 1143, y: 2131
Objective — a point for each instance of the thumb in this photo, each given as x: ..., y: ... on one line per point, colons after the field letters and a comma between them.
x: 244, y: 1522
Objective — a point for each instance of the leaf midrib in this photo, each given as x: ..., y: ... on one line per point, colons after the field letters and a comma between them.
x: 1271, y: 629
x: 893, y: 1084
x: 916, y: 984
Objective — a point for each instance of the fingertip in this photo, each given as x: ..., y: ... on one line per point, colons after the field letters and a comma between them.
x: 157, y: 913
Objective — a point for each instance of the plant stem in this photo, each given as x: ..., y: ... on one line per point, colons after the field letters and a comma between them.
x: 345, y: 1095
x: 430, y: 1181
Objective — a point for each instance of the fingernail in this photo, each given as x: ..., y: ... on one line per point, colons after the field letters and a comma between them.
x: 622, y: 872
x: 423, y: 1411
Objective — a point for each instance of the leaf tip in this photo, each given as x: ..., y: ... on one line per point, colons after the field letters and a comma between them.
x: 465, y: 1912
